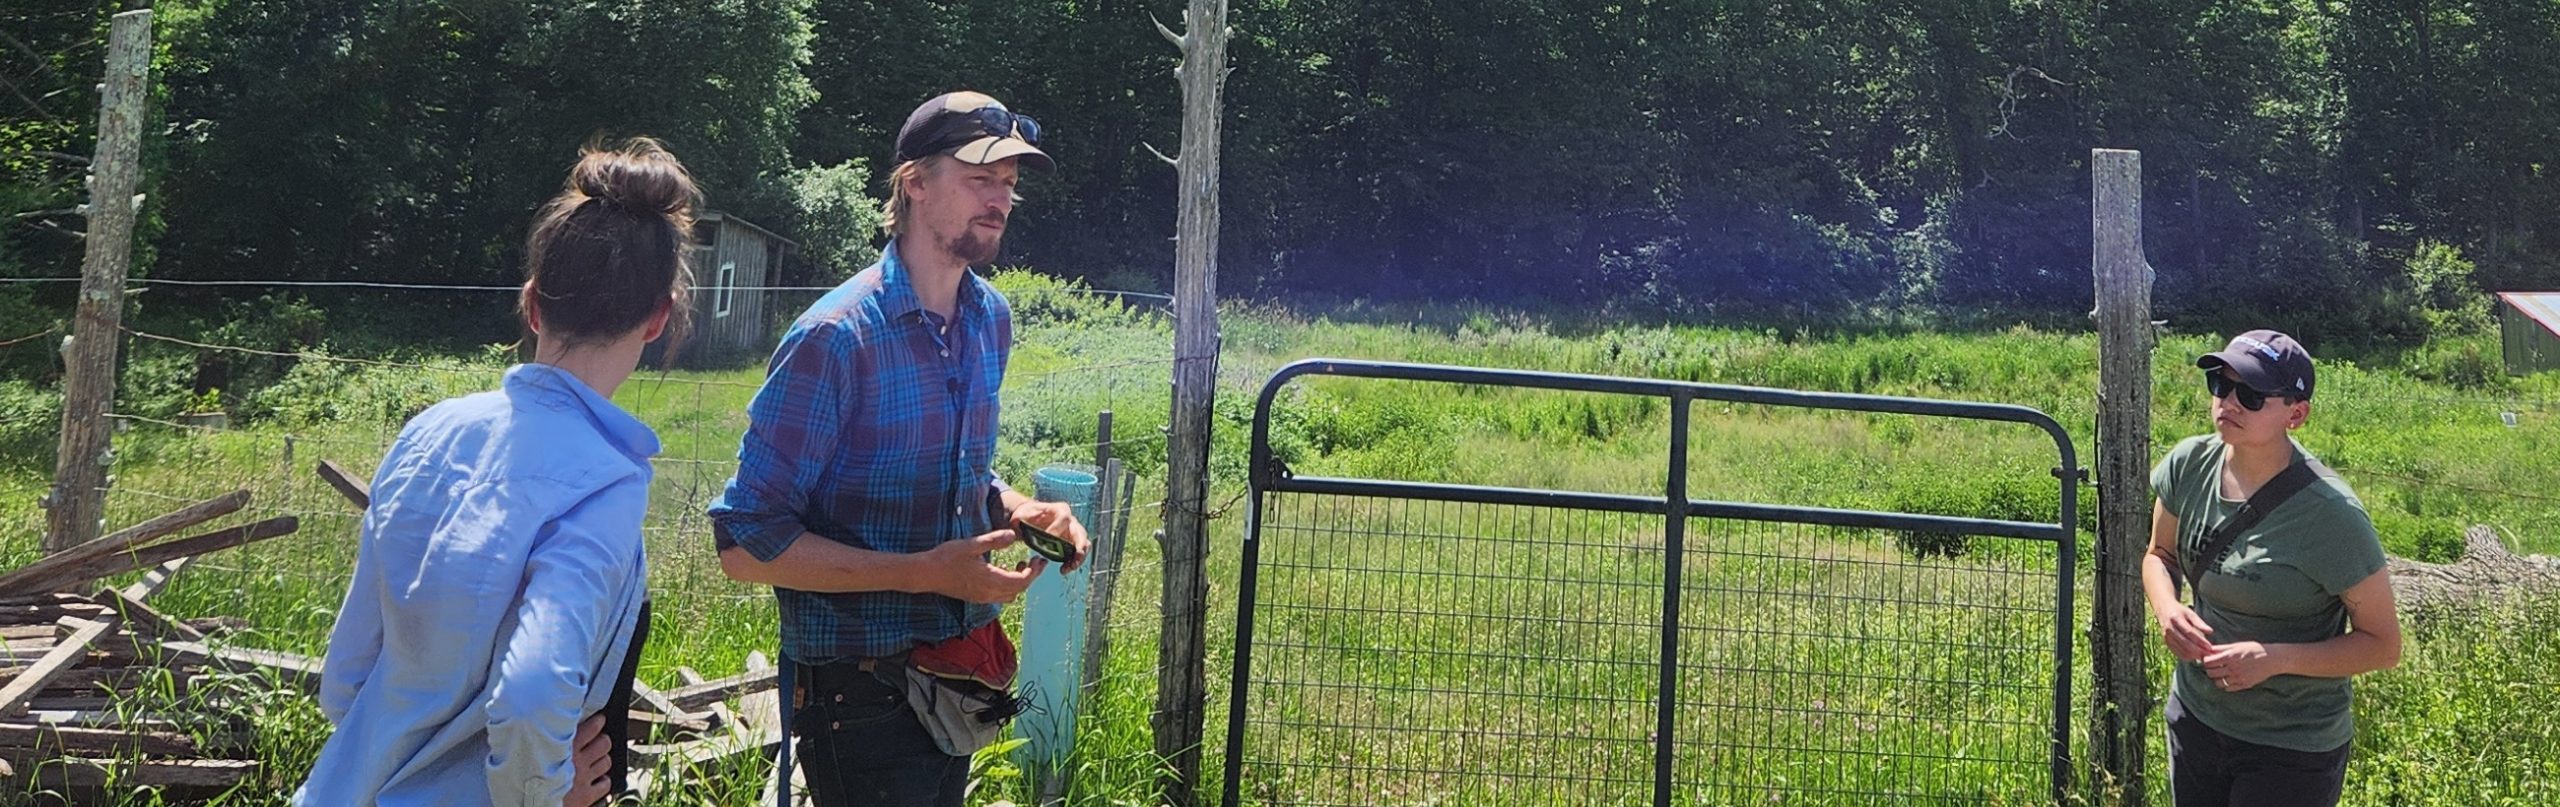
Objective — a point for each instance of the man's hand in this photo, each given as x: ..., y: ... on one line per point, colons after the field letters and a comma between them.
x: 959, y: 569
x: 1059, y: 520
x: 2186, y: 634
x: 590, y: 764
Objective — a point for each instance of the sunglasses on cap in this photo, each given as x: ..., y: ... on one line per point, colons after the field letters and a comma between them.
x: 1001, y: 122
x: 991, y: 121
x: 2220, y: 385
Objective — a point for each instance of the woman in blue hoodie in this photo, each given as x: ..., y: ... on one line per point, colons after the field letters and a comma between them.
x: 499, y: 588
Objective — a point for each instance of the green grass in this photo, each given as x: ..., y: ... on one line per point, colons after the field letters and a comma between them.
x: 2461, y: 722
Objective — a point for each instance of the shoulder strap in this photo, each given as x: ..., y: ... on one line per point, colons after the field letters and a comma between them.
x: 2217, y: 543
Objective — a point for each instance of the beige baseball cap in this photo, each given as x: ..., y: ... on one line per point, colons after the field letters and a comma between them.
x: 972, y: 127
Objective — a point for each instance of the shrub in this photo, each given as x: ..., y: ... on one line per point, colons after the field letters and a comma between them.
x: 30, y: 425
x: 833, y: 219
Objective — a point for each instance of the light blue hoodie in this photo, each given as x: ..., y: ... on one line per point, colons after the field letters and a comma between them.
x: 497, y: 582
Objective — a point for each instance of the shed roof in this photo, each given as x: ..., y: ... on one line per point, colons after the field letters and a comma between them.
x: 715, y: 215
x: 2542, y: 306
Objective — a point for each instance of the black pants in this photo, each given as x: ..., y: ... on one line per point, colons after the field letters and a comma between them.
x: 617, y: 708
x: 861, y: 746
x: 2210, y: 769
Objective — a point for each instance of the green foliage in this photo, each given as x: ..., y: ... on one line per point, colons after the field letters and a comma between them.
x: 2467, y: 360
x: 411, y: 144
x: 35, y: 357
x: 318, y: 391
x: 2444, y: 283
x: 834, y: 220
x: 30, y: 426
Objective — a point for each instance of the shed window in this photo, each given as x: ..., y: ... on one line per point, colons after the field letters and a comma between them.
x: 728, y: 287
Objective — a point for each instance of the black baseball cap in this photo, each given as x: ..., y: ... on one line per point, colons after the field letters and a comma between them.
x: 973, y: 128
x: 2268, y: 361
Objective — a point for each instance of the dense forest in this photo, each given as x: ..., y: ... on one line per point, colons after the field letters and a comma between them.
x: 2355, y: 169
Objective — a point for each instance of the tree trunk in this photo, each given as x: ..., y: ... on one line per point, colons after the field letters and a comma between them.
x: 78, y: 499
x: 1181, y: 693
x: 2120, y: 706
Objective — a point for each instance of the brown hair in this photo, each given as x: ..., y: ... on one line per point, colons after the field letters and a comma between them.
x: 610, y: 248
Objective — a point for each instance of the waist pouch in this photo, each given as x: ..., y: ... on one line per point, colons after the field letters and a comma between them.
x: 961, y: 688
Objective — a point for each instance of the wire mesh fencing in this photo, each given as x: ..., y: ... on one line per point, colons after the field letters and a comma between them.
x: 1420, y: 643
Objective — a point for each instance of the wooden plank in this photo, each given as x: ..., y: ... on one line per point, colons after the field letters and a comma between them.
x: 120, y: 563
x: 720, y: 712
x: 45, y: 632
x: 158, y: 578
x: 346, y: 484
x: 696, y: 752
x: 760, y: 712
x: 696, y: 696
x: 188, y: 773
x: 126, y: 539
x: 113, y: 720
x: 52, y: 700
x: 60, y: 739
x: 302, y: 672
x: 667, y: 710
x: 149, y: 621
x: 24, y: 686
x: 45, y: 613
x: 93, y: 679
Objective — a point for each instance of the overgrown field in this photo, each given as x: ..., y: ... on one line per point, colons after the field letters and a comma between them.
x: 2467, y: 720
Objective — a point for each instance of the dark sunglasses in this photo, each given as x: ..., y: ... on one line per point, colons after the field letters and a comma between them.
x: 1003, y: 122
x: 2218, y: 384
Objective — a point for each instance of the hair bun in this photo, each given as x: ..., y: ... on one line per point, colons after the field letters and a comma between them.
x: 638, y: 176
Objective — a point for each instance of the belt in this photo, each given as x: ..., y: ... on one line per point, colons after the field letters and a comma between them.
x: 838, y: 675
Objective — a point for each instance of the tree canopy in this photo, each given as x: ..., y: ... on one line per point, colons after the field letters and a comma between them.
x: 2311, y: 163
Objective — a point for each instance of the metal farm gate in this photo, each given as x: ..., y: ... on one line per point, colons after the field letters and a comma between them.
x: 1403, y: 643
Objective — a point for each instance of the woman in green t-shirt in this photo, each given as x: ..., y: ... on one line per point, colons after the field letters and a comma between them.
x: 2258, y: 710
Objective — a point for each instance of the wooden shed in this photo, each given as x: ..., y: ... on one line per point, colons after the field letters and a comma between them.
x: 2529, y: 328
x: 734, y: 261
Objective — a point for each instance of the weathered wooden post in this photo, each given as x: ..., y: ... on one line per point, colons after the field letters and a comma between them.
x: 1181, y: 657
x: 2121, y: 708
x: 78, y: 499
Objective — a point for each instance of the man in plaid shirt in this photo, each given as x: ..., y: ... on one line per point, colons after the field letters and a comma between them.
x: 865, y: 492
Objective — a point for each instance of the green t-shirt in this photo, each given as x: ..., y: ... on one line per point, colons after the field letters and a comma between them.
x: 2280, y: 584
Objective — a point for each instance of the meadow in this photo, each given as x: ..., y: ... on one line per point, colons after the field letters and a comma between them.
x: 2423, y: 435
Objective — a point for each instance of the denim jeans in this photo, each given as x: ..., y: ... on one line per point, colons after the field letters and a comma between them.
x: 861, y: 746
x: 2210, y: 769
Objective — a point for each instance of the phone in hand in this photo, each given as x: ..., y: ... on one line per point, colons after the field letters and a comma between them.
x: 1045, y: 544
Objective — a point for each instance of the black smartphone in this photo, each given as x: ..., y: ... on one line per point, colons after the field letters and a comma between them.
x: 1046, y: 545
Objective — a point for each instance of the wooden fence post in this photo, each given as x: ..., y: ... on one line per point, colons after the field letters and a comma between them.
x: 1181, y: 660
x: 2121, y: 707
x: 78, y: 499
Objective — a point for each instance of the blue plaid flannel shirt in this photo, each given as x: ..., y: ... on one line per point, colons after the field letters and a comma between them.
x: 876, y: 427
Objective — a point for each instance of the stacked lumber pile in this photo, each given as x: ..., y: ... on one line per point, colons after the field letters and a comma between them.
x: 73, y: 666
x: 694, y: 730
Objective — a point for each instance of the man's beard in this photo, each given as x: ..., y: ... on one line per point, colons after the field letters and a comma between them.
x: 973, y: 248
